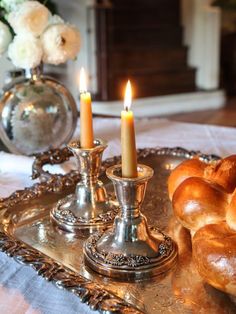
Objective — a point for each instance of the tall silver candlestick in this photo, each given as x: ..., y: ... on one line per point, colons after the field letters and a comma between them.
x: 89, y: 208
x: 130, y: 250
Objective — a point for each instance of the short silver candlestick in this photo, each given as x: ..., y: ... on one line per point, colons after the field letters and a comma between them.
x: 130, y: 250
x: 89, y: 208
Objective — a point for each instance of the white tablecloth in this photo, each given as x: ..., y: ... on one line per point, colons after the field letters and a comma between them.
x: 21, y: 290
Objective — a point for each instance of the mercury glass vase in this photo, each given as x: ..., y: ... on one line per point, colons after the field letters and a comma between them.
x: 37, y: 113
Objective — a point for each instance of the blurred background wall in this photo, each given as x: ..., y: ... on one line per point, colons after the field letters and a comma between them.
x: 186, y: 32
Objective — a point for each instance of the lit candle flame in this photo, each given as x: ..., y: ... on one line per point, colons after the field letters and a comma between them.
x: 82, y: 81
x: 128, y: 96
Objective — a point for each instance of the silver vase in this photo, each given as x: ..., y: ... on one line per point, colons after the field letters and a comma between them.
x: 37, y: 113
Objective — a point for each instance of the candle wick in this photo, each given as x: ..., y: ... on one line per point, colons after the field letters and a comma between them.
x: 83, y: 92
x: 126, y: 108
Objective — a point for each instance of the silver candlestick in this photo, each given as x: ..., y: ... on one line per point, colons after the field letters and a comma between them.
x: 130, y: 250
x: 89, y: 208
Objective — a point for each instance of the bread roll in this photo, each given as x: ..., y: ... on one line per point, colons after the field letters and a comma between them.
x: 204, y: 201
x: 197, y: 202
x: 188, y: 168
x: 188, y: 286
x: 231, y: 213
x: 223, y: 173
x: 214, y: 253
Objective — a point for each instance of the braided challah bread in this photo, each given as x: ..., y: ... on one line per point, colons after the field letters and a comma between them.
x: 231, y: 213
x: 221, y: 172
x: 188, y: 168
x: 214, y: 253
x: 187, y: 284
x: 197, y: 202
x: 204, y: 201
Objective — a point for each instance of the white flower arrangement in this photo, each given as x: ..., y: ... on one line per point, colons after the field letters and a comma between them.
x: 25, y: 51
x: 63, y: 40
x: 30, y: 17
x: 39, y: 35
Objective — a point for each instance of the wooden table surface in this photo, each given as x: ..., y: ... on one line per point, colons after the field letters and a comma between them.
x: 225, y: 116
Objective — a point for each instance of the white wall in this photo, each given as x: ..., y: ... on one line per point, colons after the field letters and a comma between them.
x: 79, y: 13
x: 202, y: 24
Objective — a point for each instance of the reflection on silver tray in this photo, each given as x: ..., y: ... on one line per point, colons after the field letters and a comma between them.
x: 27, y: 235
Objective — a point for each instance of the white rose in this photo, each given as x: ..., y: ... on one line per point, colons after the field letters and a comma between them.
x: 25, y: 51
x: 5, y: 37
x: 60, y: 42
x: 30, y: 17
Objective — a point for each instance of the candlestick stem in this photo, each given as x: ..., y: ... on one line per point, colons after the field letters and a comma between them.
x: 130, y: 250
x: 89, y: 208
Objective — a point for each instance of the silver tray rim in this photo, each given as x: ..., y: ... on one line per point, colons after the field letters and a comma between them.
x: 93, y: 294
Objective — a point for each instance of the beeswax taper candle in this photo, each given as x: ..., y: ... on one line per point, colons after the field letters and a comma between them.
x: 86, y: 116
x: 128, y: 144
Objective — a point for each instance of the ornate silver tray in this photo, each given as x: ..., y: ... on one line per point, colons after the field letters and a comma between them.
x: 27, y: 235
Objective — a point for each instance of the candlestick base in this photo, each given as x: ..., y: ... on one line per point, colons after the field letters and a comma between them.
x: 90, y: 208
x: 130, y: 250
